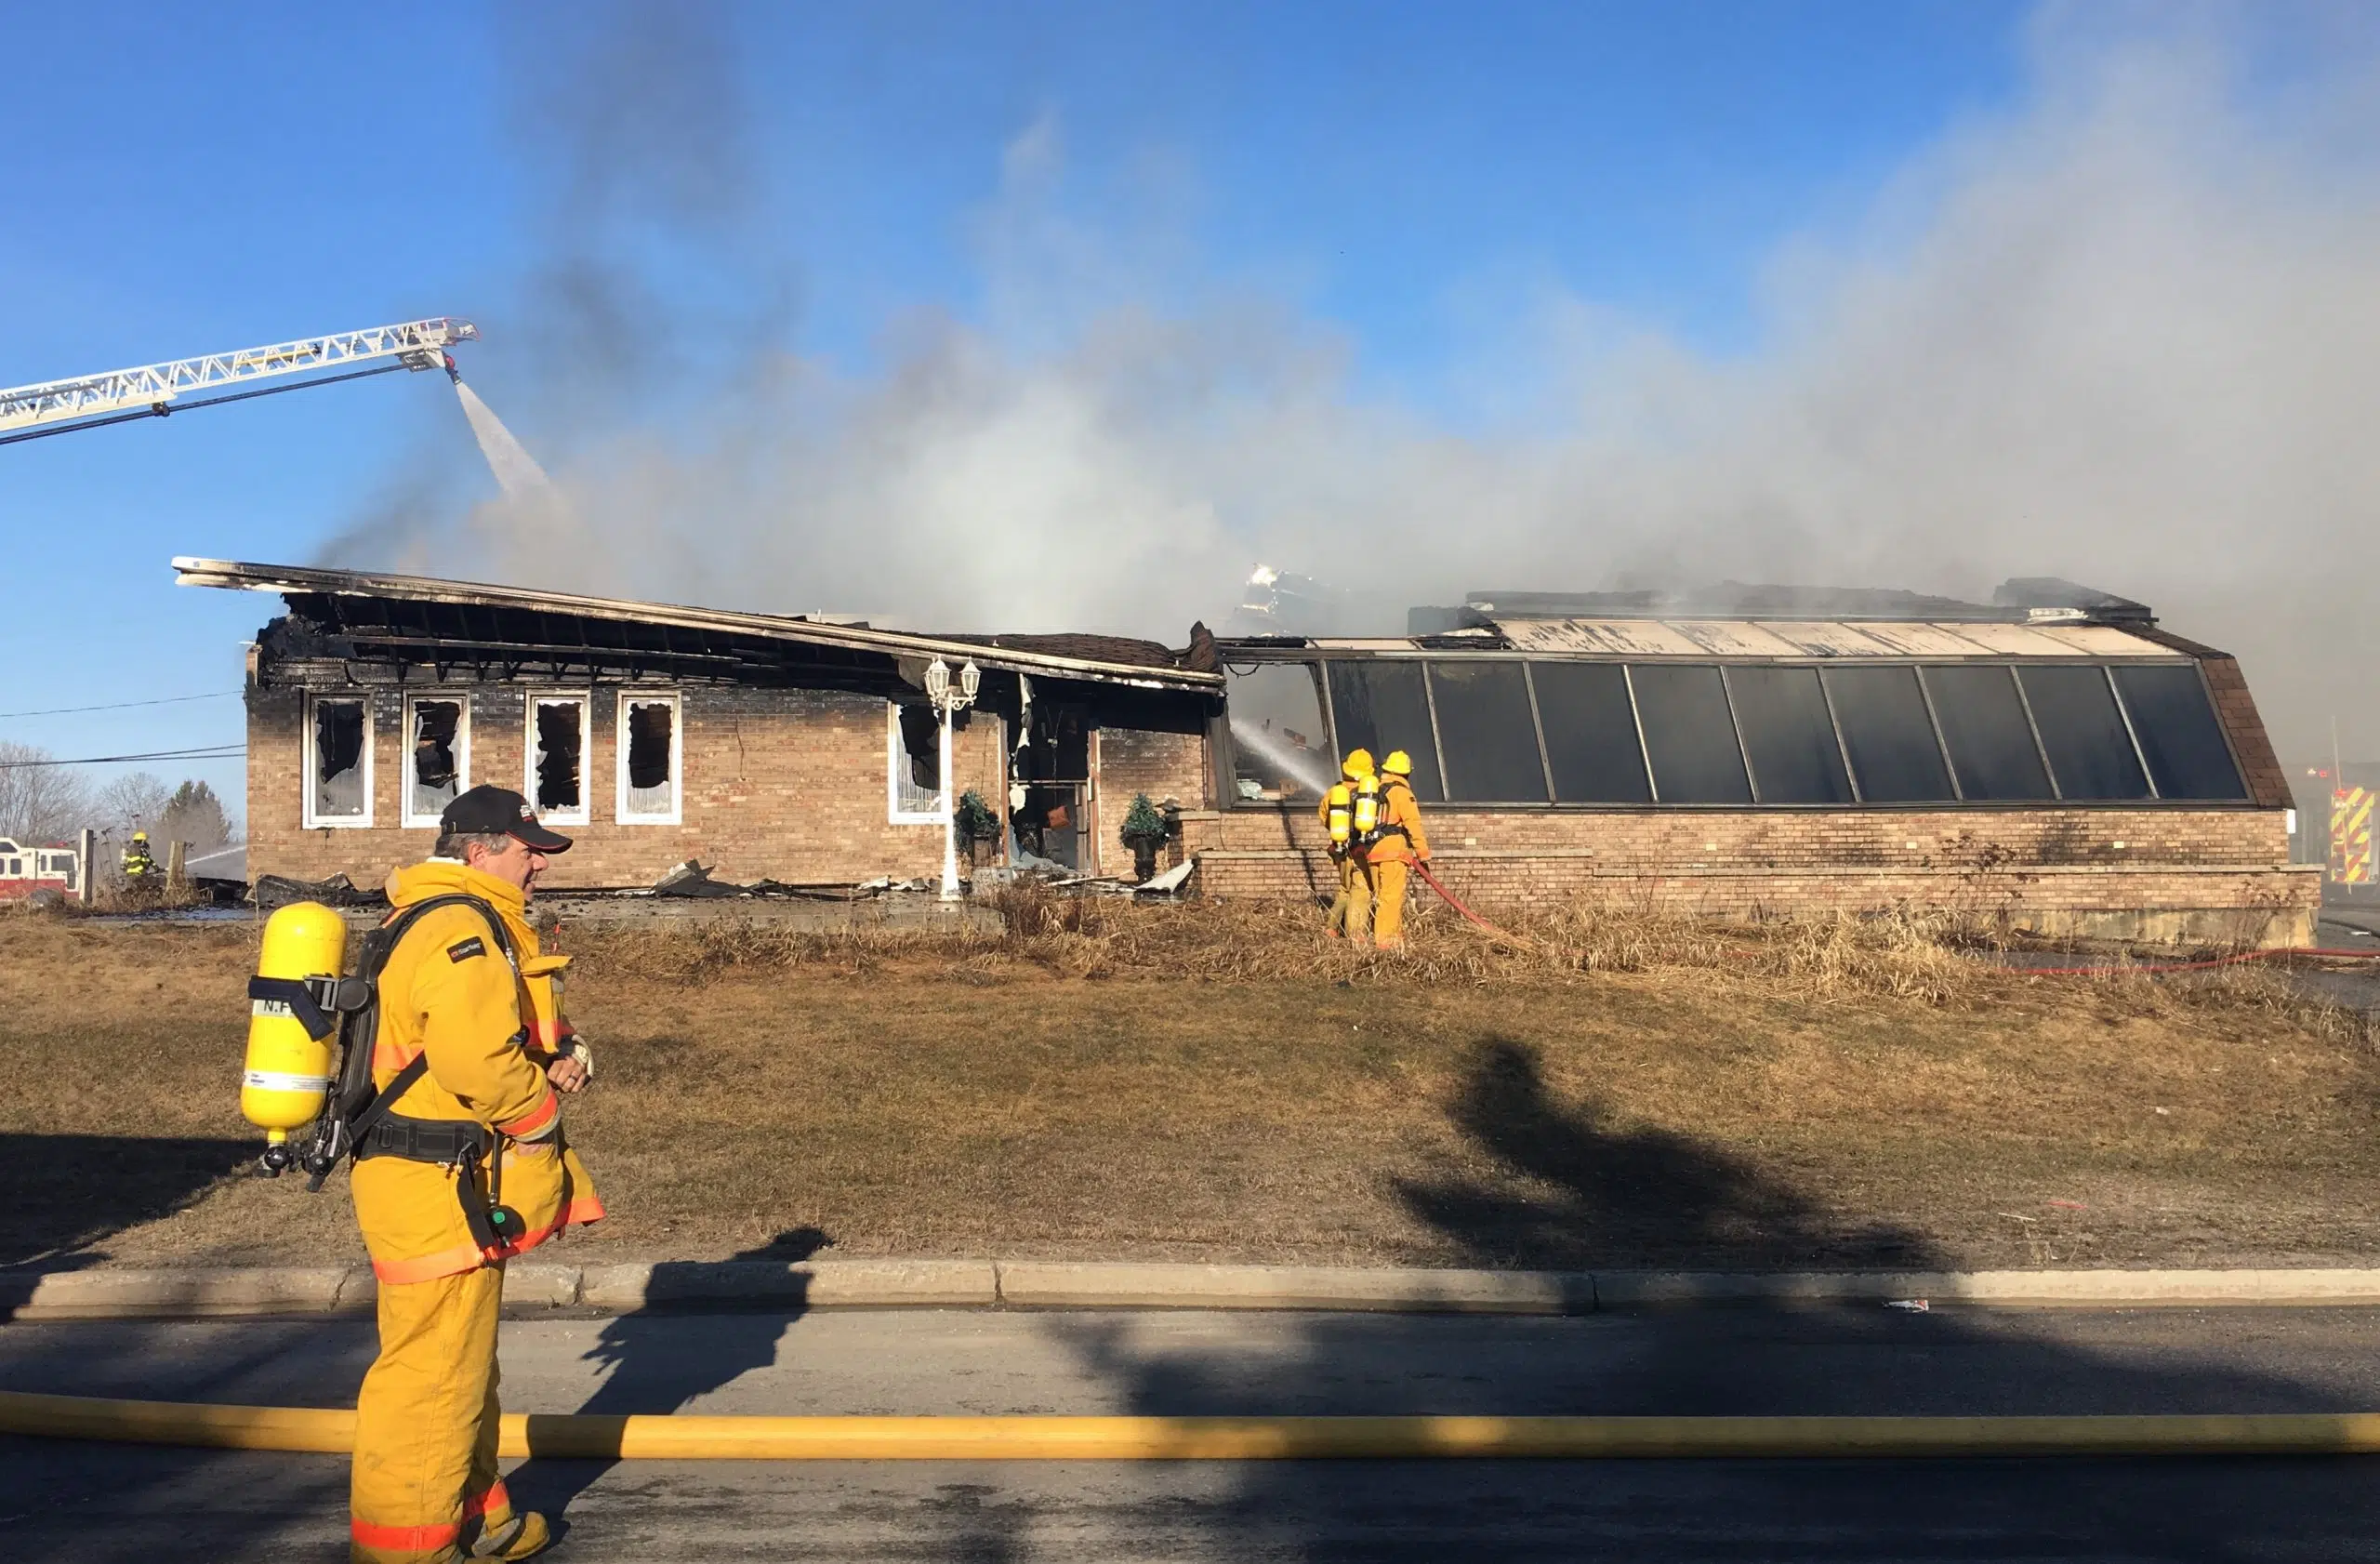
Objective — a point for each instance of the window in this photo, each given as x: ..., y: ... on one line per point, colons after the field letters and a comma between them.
x: 338, y: 762
x: 1380, y: 707
x: 1488, y: 733
x: 438, y: 756
x: 913, y: 764
x: 1279, y: 747
x: 1788, y: 736
x: 2090, y: 750
x: 1894, y: 753
x: 2178, y: 734
x: 1589, y: 733
x: 649, y: 749
x: 1984, y: 728
x: 556, y: 779
x: 1690, y: 734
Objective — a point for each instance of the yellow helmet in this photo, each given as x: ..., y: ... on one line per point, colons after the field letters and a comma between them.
x: 141, y: 836
x: 1359, y: 763
x: 1398, y: 763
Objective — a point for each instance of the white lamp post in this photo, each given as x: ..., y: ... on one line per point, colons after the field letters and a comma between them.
x: 948, y: 701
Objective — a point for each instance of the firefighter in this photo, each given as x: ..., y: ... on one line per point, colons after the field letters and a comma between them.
x: 468, y: 1169
x: 138, y: 867
x: 1400, y: 842
x: 1351, y: 908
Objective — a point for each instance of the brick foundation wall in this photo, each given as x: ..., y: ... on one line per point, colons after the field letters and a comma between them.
x: 782, y: 784
x: 2138, y: 873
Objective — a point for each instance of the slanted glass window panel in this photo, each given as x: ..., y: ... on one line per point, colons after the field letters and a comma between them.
x: 1589, y: 733
x: 1380, y: 707
x: 2090, y: 753
x: 1984, y: 727
x: 1280, y: 748
x: 1689, y: 735
x: 1882, y: 713
x: 2178, y: 731
x: 1783, y: 715
x: 1487, y: 732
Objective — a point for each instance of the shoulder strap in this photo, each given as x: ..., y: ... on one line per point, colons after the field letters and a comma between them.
x: 377, y: 957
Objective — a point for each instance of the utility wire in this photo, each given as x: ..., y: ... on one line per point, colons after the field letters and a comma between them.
x: 218, y: 752
x: 163, y: 409
x: 120, y: 705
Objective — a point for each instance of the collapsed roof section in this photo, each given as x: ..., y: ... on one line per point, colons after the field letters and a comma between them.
x: 369, y: 617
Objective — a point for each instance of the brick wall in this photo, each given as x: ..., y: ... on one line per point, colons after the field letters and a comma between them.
x: 2147, y: 873
x: 783, y: 784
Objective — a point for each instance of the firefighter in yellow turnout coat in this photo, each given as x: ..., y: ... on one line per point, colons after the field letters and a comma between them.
x: 1351, y: 908
x: 1400, y: 843
x: 425, y: 1486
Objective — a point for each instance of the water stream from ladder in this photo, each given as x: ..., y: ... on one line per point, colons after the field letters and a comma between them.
x: 514, y: 467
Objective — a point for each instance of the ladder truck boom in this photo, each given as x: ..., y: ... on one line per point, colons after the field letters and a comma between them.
x: 152, y: 388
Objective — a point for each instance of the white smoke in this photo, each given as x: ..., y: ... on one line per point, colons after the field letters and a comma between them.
x: 2125, y: 332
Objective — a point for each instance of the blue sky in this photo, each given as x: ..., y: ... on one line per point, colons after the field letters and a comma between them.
x: 187, y: 180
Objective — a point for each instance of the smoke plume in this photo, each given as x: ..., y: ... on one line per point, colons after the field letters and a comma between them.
x: 2123, y: 330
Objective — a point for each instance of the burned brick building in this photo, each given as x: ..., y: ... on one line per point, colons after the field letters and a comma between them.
x: 2053, y: 757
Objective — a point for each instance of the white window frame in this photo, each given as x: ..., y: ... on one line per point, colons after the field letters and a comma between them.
x: 896, y: 762
x: 584, y: 814
x: 307, y: 771
x: 677, y: 757
x: 406, y: 817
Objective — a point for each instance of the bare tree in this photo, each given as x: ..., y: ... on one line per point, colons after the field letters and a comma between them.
x: 40, y: 800
x: 134, y: 802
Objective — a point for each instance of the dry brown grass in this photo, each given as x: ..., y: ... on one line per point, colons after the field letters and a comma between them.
x: 1100, y: 1079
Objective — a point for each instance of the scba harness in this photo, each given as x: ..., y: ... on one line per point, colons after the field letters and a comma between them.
x: 358, y: 1122
x: 1371, y: 824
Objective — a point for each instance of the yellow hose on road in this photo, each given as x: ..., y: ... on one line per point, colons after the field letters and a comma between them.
x: 1225, y: 1438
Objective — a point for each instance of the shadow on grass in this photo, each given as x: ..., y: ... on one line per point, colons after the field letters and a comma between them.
x: 66, y: 1195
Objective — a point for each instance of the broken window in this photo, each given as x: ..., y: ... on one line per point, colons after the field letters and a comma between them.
x: 2090, y: 751
x: 1279, y: 750
x: 1984, y: 727
x: 1690, y: 733
x: 1382, y: 706
x: 1490, y: 732
x: 1788, y: 736
x: 648, y: 751
x: 2178, y: 731
x: 557, y: 780
x: 913, y: 758
x: 1589, y: 733
x: 338, y: 763
x: 1885, y: 725
x: 437, y: 756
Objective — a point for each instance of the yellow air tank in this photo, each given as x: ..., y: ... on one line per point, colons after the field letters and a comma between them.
x: 288, y: 1068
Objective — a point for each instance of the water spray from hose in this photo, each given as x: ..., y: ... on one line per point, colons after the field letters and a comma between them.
x: 513, y: 465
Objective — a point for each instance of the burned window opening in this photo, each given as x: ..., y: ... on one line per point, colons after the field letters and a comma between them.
x: 648, y: 759
x: 558, y: 758
x: 339, y: 790
x: 915, y: 760
x: 435, y: 744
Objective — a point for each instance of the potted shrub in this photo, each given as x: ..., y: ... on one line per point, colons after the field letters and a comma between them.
x: 974, y: 823
x: 1143, y: 832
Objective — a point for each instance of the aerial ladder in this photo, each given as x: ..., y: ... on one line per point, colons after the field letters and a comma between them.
x: 153, y: 391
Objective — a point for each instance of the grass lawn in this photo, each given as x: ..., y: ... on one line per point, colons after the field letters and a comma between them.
x: 1218, y: 1083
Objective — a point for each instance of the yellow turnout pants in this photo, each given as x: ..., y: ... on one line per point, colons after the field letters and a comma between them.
x: 425, y: 1424
x: 1350, y: 909
x: 1389, y: 876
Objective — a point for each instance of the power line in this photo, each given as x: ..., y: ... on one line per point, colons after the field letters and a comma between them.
x: 121, y: 705
x: 112, y: 760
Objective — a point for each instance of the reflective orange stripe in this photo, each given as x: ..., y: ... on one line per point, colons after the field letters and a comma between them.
x: 404, y: 1539
x: 534, y: 1120
x: 496, y: 1498
x: 430, y: 1267
x: 389, y: 1057
x: 548, y: 1035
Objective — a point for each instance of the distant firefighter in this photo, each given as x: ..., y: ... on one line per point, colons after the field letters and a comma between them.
x: 1351, y: 908
x: 138, y: 867
x: 1392, y: 846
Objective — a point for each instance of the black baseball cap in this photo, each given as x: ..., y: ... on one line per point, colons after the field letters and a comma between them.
x: 499, y: 811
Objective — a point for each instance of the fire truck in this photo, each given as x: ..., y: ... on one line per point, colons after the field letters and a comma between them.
x: 29, y: 866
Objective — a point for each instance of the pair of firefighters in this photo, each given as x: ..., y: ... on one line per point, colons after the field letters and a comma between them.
x: 1376, y: 837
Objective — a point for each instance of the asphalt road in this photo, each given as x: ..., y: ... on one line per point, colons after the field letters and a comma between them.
x: 90, y: 1502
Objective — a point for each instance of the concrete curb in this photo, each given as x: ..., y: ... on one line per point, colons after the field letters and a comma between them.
x: 535, y: 1287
